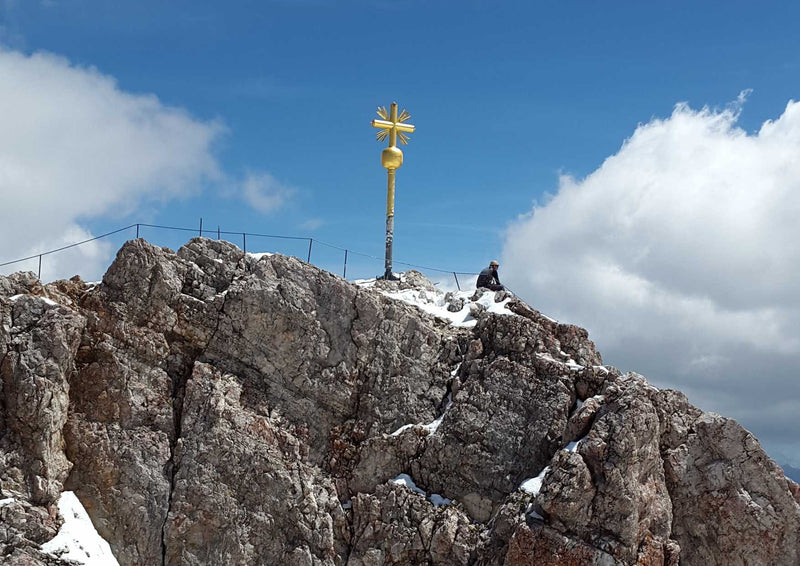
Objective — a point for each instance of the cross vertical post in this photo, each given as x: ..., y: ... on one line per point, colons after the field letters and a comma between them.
x: 391, y: 126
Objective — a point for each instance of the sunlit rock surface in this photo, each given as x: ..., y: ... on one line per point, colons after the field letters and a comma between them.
x: 213, y: 407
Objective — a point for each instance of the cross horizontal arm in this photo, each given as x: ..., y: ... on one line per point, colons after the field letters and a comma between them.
x: 401, y: 127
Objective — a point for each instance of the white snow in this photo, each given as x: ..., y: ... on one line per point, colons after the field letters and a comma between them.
x: 78, y: 540
x: 402, y: 429
x: 6, y: 501
x: 195, y: 299
x: 435, y: 498
x: 45, y: 299
x: 432, y: 426
x: 547, y: 357
x: 487, y: 300
x: 432, y: 302
x: 259, y: 255
x: 405, y: 479
x: 570, y: 363
x: 533, y: 485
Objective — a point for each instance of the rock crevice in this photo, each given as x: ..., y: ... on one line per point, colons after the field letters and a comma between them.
x: 210, y: 407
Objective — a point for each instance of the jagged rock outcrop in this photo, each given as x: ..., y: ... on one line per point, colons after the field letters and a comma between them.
x: 208, y: 407
x: 721, y: 471
x: 24, y: 527
x: 396, y: 526
x: 38, y: 341
x: 229, y: 457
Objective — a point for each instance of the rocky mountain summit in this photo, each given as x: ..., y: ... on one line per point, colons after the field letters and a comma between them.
x: 212, y: 407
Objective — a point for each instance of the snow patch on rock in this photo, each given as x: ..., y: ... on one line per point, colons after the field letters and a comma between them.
x: 534, y: 485
x: 406, y: 481
x: 78, y: 540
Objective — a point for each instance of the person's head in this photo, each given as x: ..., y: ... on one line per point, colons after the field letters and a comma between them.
x: 493, y: 264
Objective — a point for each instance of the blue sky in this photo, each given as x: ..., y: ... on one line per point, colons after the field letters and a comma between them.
x: 504, y: 95
x: 547, y: 137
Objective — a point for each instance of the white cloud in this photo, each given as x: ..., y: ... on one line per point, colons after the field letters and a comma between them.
x: 265, y: 193
x: 91, y: 257
x: 680, y: 256
x: 312, y: 224
x: 74, y: 146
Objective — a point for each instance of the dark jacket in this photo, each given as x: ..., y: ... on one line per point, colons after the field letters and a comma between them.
x: 488, y: 277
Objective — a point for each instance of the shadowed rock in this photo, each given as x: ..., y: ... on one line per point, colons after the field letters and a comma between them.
x: 211, y: 407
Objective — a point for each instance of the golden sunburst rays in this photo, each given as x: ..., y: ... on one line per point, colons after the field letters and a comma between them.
x: 390, y: 125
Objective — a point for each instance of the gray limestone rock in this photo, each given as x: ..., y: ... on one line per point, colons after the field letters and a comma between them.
x: 23, y: 529
x: 632, y: 503
x: 39, y: 339
x: 731, y: 504
x: 454, y: 304
x: 211, y: 407
x: 278, y: 508
x: 581, y: 419
x: 395, y: 526
x: 544, y: 546
x: 567, y: 494
x: 504, y: 426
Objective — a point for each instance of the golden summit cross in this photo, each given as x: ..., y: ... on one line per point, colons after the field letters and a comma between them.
x: 392, y: 126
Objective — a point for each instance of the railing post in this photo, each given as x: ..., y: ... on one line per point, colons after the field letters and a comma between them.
x: 219, y: 238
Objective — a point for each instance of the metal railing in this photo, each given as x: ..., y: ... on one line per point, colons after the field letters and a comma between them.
x: 229, y: 235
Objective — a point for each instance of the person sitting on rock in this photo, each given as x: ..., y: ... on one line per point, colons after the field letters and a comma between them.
x: 488, y: 277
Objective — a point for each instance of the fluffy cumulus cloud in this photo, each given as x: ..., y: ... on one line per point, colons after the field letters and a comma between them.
x: 680, y: 255
x: 265, y: 193
x: 74, y: 146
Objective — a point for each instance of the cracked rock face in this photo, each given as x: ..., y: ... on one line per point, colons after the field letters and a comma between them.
x: 396, y: 526
x: 230, y: 458
x: 208, y: 407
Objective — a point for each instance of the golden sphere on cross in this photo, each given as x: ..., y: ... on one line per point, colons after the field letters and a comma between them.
x: 392, y: 126
x: 392, y: 157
